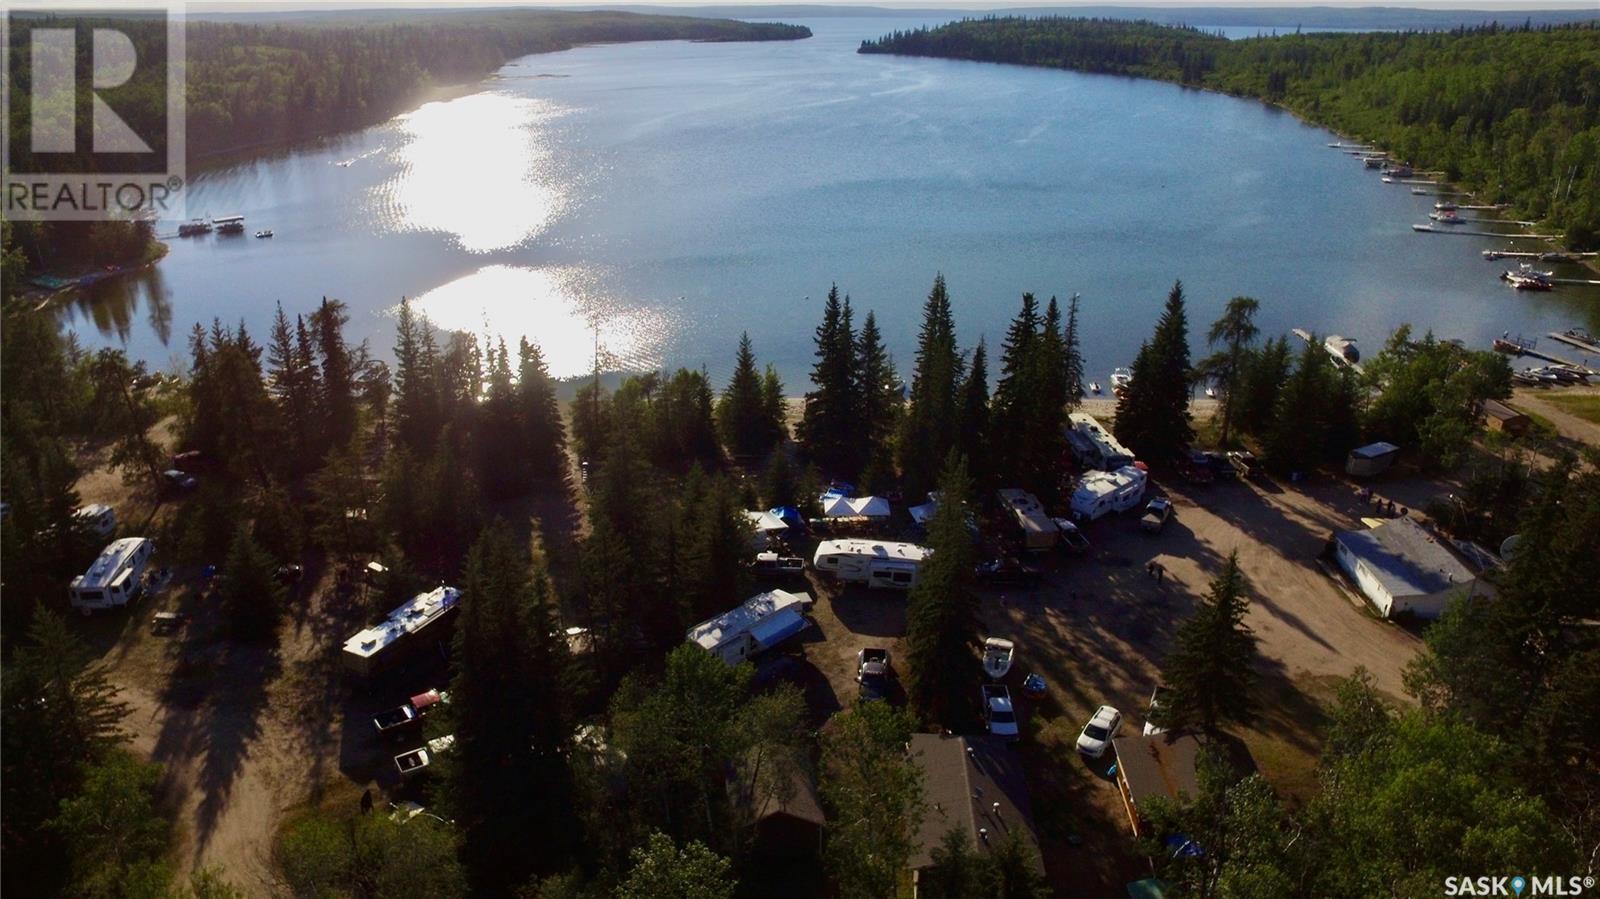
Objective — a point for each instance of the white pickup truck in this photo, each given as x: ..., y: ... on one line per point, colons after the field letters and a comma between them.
x: 998, y: 713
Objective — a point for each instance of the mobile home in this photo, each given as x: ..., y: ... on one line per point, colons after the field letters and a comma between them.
x: 1039, y: 533
x: 408, y: 629
x: 116, y: 576
x: 760, y: 623
x: 875, y: 563
x: 1093, y: 446
x: 1102, y: 492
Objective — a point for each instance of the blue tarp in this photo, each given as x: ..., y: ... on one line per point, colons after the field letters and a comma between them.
x: 789, y: 514
x: 778, y: 628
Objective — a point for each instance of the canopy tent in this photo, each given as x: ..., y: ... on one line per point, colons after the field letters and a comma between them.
x: 924, y: 513
x: 858, y: 507
x: 789, y: 514
x: 766, y: 521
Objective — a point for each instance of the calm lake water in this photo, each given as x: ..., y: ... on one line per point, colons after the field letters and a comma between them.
x: 665, y: 197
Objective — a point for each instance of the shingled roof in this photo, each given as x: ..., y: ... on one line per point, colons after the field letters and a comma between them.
x: 970, y: 783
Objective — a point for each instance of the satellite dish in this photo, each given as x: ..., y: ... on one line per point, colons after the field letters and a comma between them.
x: 1508, y: 546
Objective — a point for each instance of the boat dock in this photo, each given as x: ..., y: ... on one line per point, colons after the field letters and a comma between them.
x: 1588, y: 346
x: 1540, y: 354
x: 1429, y: 229
x: 1443, y: 193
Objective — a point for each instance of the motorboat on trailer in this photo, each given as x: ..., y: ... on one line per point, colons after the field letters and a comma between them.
x: 998, y: 653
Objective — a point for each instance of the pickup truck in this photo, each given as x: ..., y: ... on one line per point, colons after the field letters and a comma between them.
x: 417, y: 760
x: 1156, y: 515
x: 873, y: 673
x: 773, y: 564
x: 395, y: 719
x: 1244, y: 464
x: 998, y: 714
x: 1072, y: 539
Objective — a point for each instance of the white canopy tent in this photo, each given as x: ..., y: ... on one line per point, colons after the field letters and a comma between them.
x: 766, y: 521
x: 855, y: 507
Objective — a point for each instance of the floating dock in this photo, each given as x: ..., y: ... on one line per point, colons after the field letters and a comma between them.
x: 1587, y: 346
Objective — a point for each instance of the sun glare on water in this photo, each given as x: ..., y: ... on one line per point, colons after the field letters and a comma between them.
x: 554, y: 308
x: 479, y: 168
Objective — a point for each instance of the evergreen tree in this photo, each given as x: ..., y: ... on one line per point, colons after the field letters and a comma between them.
x: 544, y: 436
x: 827, y: 427
x: 878, y: 392
x: 974, y: 441
x: 1262, y: 378
x: 1300, y: 431
x: 780, y: 486
x: 296, y: 390
x: 248, y: 590
x: 1153, y: 411
x: 1210, y: 671
x: 1045, y: 444
x: 127, y: 414
x: 928, y: 430
x: 942, y: 612
x: 715, y: 539
x: 1074, y: 355
x: 743, y: 420
x: 416, y: 397
x: 497, y: 435
x: 774, y: 407
x: 115, y: 831
x: 338, y: 372
x: 508, y: 783
x: 1015, y: 393
x: 1234, y: 331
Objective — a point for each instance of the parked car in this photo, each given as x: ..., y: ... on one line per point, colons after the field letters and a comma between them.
x: 1194, y: 467
x: 998, y: 714
x: 771, y: 563
x: 1150, y: 728
x: 396, y: 719
x: 1097, y: 734
x: 1156, y: 513
x: 1008, y: 572
x: 193, y: 460
x: 417, y: 760
x: 1033, y: 686
x: 290, y: 574
x: 1244, y: 463
x: 178, y: 480
x: 1072, y: 539
x: 873, y: 673
x: 1221, y: 465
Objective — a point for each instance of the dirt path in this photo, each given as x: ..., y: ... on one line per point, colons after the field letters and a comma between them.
x: 1567, y: 425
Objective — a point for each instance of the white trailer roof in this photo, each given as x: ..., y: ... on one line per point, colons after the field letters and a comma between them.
x: 1095, y: 484
x: 736, y: 622
x: 110, y: 561
x: 879, y: 549
x: 415, y: 614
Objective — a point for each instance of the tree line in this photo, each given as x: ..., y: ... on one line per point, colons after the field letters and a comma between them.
x: 1512, y: 113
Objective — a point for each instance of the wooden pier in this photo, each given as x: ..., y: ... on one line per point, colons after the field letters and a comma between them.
x: 1430, y: 229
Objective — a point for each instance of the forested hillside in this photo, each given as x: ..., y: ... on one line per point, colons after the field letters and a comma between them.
x: 1512, y: 113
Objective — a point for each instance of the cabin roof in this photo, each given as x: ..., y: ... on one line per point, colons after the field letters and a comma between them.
x: 964, y: 778
x: 1159, y: 765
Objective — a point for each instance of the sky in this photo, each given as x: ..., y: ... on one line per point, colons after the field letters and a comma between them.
x: 289, y: 5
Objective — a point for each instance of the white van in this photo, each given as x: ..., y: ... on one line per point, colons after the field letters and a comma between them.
x: 881, y: 564
x: 116, y: 577
x: 99, y: 518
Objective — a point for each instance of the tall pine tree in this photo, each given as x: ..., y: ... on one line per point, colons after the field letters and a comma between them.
x: 942, y: 612
x: 828, y: 429
x: 928, y: 430
x: 1210, y: 673
x: 1153, y: 412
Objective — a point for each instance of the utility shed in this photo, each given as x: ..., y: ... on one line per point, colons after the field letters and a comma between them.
x: 974, y: 784
x: 1403, y: 568
x: 1160, y: 765
x: 1498, y: 416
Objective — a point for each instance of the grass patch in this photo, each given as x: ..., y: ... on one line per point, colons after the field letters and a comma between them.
x: 1583, y: 405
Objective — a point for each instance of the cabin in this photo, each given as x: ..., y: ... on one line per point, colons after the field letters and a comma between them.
x: 1039, y: 532
x: 418, y: 624
x: 116, y: 577
x: 1093, y: 446
x: 758, y: 624
x: 1371, y: 460
x: 1102, y: 492
x: 784, y: 811
x: 972, y: 784
x: 1498, y: 416
x: 1402, y: 568
x: 876, y: 563
x: 1160, y: 765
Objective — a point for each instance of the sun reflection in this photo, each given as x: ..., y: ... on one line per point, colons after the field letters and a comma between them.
x: 555, y: 308
x: 478, y: 167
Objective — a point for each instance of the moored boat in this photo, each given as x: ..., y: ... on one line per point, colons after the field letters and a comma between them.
x: 194, y: 228
x: 265, y: 232
x: 1094, y: 387
x: 1526, y: 277
x: 1445, y: 206
x: 1120, y: 379
x: 1447, y: 217
x: 229, y: 224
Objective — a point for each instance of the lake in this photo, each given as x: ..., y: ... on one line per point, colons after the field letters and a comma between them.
x: 661, y: 198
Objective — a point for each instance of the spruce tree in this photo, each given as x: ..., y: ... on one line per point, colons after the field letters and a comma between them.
x: 248, y: 590
x: 1210, y: 672
x: 774, y: 408
x: 1045, y: 444
x: 416, y: 398
x: 508, y: 784
x: 741, y: 413
x: 1153, y: 412
x: 338, y: 373
x: 1074, y: 355
x: 942, y: 612
x: 544, y: 437
x: 974, y: 432
x: 877, y: 392
x: 1016, y: 391
x: 294, y: 388
x: 827, y: 428
x: 928, y: 430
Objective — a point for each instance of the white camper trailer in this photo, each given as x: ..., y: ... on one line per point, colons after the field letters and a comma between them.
x: 760, y: 623
x: 875, y: 563
x: 115, y: 578
x: 1093, y: 446
x: 1039, y: 533
x: 401, y: 634
x: 1102, y: 492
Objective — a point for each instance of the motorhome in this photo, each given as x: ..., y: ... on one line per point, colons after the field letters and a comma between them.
x: 1093, y: 446
x: 408, y: 629
x: 876, y: 563
x: 759, y: 623
x: 1101, y: 492
x: 115, y: 578
x: 1039, y: 533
